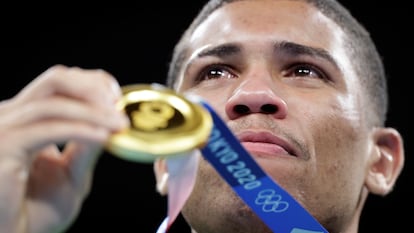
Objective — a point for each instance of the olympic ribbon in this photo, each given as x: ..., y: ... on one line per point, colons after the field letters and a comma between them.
x: 181, y: 178
x: 277, y: 208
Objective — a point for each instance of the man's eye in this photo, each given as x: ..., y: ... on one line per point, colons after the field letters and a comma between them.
x: 215, y: 73
x: 306, y: 71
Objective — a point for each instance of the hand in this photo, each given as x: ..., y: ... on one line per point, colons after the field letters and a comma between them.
x: 51, y: 135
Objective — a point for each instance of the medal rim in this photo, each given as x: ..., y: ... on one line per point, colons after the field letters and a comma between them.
x: 147, y: 146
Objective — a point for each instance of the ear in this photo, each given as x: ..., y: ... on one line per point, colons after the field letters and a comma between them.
x: 386, y: 161
x: 161, y: 176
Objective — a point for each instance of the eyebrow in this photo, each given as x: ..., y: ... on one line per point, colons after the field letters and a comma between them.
x: 294, y: 49
x: 221, y: 51
x: 284, y: 47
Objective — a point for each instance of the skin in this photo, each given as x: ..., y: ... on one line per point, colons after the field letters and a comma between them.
x: 338, y: 158
x: 331, y: 159
x: 45, y: 186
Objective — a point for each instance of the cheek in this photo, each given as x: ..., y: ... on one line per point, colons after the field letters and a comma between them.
x: 338, y: 163
x: 338, y: 131
x: 333, y: 123
x: 339, y: 151
x: 337, y: 139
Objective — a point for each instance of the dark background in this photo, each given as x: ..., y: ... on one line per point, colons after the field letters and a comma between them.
x: 134, y: 43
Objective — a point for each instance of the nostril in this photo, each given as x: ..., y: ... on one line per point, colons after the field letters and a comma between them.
x: 269, y: 108
x: 241, y: 109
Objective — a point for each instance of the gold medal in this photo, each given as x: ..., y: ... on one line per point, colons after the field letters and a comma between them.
x: 163, y: 123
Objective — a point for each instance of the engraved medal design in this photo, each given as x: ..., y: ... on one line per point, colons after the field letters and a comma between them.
x: 163, y: 123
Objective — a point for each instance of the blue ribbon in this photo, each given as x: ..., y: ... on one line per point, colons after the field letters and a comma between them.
x: 277, y: 208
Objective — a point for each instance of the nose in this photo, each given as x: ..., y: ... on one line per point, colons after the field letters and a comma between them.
x: 255, y: 96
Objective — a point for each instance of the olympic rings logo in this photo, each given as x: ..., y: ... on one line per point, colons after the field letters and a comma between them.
x: 271, y: 201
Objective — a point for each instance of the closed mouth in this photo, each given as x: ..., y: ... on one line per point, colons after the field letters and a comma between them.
x: 265, y: 144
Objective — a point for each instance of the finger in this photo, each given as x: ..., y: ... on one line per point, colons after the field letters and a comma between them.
x: 66, y: 109
x: 81, y: 160
x: 51, y: 193
x: 23, y: 144
x: 13, y: 179
x: 63, y: 131
x: 94, y: 85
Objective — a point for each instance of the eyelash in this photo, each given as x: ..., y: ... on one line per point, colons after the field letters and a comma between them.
x: 218, y: 69
x: 297, y: 70
x: 310, y: 69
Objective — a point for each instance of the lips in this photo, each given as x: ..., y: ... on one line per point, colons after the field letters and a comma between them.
x: 265, y: 144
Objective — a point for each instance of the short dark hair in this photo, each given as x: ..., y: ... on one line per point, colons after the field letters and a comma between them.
x: 360, y: 46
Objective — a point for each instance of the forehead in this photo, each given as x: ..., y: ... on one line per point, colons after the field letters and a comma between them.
x: 266, y: 22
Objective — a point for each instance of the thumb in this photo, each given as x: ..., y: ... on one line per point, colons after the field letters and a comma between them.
x: 81, y: 161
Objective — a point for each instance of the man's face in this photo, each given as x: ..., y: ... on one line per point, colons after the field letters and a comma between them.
x: 277, y: 72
